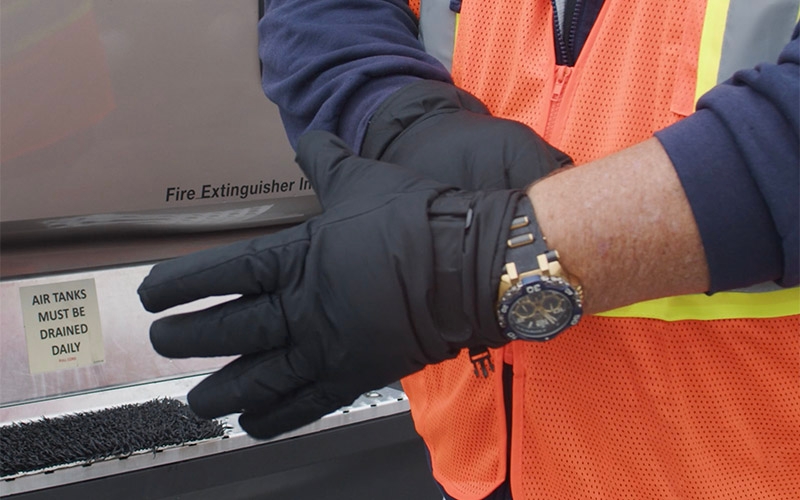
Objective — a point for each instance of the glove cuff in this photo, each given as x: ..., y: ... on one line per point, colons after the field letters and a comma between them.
x: 469, y: 238
x: 493, y: 213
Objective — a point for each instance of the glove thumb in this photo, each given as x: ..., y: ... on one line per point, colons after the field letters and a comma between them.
x: 338, y: 175
x: 320, y: 154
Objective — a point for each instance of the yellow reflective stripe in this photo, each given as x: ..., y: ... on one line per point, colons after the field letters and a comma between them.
x: 711, y: 46
x: 724, y: 305
x: 455, y: 37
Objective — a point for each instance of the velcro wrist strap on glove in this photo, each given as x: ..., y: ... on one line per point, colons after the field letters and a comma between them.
x: 469, y: 231
x: 450, y: 218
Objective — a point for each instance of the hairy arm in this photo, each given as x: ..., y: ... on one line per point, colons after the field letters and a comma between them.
x: 623, y: 227
x: 711, y: 203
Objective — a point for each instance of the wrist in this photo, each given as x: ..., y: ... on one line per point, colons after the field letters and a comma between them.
x: 537, y: 298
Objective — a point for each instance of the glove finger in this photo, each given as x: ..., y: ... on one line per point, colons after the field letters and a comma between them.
x: 243, y: 326
x: 249, y: 267
x: 251, y: 383
x: 304, y: 407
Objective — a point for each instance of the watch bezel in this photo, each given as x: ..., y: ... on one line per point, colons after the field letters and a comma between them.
x: 528, y: 286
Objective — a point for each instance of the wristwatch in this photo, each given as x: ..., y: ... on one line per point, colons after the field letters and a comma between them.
x: 537, y: 299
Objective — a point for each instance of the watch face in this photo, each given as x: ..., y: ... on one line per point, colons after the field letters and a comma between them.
x: 540, y: 310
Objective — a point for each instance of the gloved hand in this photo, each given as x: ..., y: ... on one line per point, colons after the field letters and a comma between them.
x: 399, y: 271
x: 447, y: 134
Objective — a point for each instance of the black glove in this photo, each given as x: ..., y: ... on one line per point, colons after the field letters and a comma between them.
x: 447, y: 134
x: 399, y: 271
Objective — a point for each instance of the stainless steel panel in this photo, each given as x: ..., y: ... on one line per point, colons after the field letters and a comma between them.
x: 114, y: 111
x: 127, y: 128
x: 129, y: 357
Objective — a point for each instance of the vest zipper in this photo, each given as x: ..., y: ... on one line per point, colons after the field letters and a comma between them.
x: 573, y: 32
x: 565, y: 45
x: 561, y: 79
x: 565, y: 48
x: 561, y: 47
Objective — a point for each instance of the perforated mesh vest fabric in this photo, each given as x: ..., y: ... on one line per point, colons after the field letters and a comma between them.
x: 635, y: 74
x: 463, y: 425
x: 649, y: 409
x: 617, y: 407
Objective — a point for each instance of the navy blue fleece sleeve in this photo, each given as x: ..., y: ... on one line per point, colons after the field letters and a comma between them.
x: 739, y: 162
x: 328, y: 64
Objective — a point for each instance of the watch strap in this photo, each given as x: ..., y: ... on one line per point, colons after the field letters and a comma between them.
x: 525, y: 240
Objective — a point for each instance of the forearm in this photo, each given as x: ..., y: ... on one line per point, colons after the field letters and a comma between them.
x: 710, y: 204
x: 623, y: 228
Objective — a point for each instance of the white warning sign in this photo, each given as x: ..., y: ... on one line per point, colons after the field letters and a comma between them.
x: 62, y: 325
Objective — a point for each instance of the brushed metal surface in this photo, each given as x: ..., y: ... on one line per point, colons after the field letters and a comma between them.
x: 129, y: 357
x: 113, y: 111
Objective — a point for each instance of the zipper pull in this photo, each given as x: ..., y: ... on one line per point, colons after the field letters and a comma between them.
x: 562, y: 75
x: 481, y: 361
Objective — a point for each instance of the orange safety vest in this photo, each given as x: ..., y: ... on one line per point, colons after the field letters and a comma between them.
x: 685, y: 397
